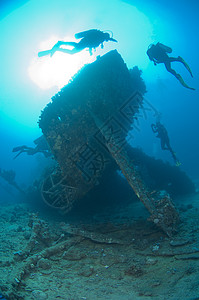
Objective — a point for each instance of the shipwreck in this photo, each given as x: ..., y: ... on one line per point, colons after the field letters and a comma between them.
x: 87, y: 126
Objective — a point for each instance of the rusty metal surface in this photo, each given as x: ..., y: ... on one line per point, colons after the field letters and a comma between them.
x: 100, y: 89
x: 87, y: 125
x: 158, y: 203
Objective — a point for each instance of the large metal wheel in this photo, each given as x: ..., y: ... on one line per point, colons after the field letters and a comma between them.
x: 57, y: 194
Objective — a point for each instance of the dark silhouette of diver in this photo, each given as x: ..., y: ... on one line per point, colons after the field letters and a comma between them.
x: 158, y: 54
x: 90, y: 39
x: 41, y: 147
x: 9, y: 176
x: 162, y: 134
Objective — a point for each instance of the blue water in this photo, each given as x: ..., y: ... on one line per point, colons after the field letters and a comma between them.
x: 28, y: 27
x: 24, y: 25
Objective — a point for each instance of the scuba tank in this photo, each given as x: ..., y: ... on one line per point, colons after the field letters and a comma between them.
x: 87, y: 33
x: 94, y: 34
x: 164, y: 47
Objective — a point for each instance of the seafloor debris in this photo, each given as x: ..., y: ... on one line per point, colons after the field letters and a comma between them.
x: 84, y: 259
x: 108, y: 238
x: 104, y: 89
x: 87, y: 126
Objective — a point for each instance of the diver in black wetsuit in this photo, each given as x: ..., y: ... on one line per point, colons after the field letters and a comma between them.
x: 41, y: 147
x: 158, y: 54
x: 164, y: 139
x: 90, y: 39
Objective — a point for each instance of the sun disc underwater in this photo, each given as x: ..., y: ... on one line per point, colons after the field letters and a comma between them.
x: 47, y: 72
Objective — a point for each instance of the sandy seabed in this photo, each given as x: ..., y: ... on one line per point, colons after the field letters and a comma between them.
x: 114, y: 257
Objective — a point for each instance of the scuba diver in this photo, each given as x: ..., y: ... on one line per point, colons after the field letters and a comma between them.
x: 90, y: 39
x: 41, y: 147
x: 158, y: 54
x: 164, y: 139
x: 9, y: 176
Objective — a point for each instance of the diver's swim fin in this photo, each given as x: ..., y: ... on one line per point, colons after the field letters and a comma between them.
x: 51, y: 51
x: 183, y: 83
x: 185, y: 64
x: 178, y: 163
x: 44, y: 53
x: 19, y: 148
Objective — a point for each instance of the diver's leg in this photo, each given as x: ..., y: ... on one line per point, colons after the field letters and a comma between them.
x: 18, y: 154
x: 169, y: 69
x: 68, y: 51
x: 77, y: 47
x: 22, y: 151
x: 178, y: 76
x: 16, y: 149
x: 180, y: 59
x: 61, y: 43
x: 177, y: 162
x: 162, y: 143
x: 169, y: 146
x: 57, y: 46
x: 173, y: 154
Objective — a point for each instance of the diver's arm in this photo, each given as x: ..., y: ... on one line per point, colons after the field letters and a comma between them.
x: 153, y: 60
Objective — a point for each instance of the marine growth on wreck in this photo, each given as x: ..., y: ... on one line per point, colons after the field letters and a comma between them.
x: 86, y: 126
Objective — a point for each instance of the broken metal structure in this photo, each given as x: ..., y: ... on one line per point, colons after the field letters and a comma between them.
x: 87, y: 126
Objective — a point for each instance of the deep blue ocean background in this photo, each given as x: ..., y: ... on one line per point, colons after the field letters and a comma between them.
x: 24, y: 25
x: 109, y: 245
